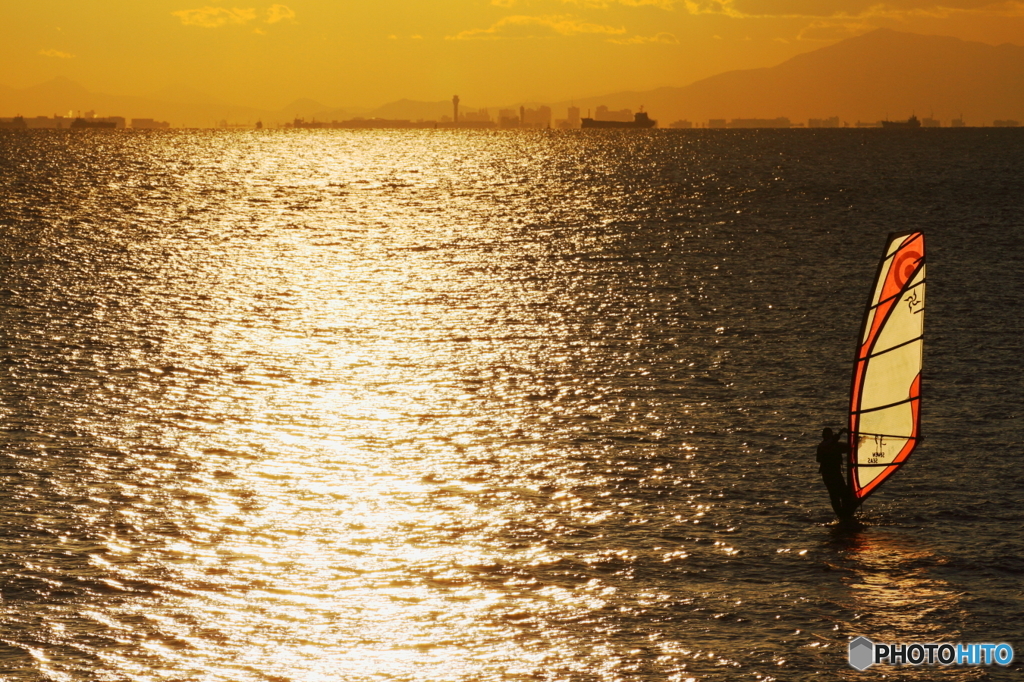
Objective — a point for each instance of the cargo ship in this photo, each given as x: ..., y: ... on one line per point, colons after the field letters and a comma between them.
x: 93, y: 123
x: 640, y: 120
x: 911, y: 122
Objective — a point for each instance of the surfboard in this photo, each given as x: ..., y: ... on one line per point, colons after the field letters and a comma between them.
x: 885, y: 398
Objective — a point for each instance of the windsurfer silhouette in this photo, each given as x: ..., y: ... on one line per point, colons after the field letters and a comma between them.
x: 830, y: 458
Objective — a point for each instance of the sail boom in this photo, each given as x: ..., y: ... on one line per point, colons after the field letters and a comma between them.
x: 886, y: 407
x: 889, y: 435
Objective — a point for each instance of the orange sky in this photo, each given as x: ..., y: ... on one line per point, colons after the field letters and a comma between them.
x: 491, y: 52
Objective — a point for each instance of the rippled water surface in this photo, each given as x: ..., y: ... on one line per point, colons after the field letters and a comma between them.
x: 445, y: 406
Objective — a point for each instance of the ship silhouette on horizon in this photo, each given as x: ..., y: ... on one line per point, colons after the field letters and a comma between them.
x: 640, y: 120
x: 911, y: 122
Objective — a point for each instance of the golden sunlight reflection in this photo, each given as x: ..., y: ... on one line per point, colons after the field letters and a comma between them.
x: 355, y: 429
x: 896, y: 593
x: 442, y: 406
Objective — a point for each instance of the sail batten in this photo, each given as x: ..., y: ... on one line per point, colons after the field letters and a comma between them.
x: 876, y: 353
x: 885, y: 398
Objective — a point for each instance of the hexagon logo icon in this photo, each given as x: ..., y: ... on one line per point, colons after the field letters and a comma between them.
x: 862, y: 653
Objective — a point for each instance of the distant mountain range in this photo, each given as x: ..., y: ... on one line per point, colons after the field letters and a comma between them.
x: 882, y: 74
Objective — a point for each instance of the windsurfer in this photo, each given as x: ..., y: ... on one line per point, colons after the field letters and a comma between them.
x: 830, y: 458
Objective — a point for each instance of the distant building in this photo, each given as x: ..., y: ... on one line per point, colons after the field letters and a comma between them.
x: 1007, y: 123
x: 832, y: 122
x: 149, y: 124
x: 602, y: 113
x: 681, y: 124
x: 571, y: 122
x: 781, y: 122
x: 45, y: 122
x: 574, y: 117
x: 535, y: 118
x: 958, y: 122
x: 297, y: 123
x: 57, y: 122
x: 480, y: 116
x: 508, y: 118
x: 717, y: 123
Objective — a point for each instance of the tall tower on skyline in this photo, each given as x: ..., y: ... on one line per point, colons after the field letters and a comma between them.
x: 574, y: 116
x: 455, y: 106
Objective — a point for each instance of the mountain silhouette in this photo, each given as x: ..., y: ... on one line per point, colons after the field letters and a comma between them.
x: 881, y: 74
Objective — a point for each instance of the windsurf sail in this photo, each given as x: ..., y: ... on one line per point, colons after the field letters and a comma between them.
x: 885, y: 401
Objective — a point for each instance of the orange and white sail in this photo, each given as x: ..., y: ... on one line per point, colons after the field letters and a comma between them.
x: 885, y: 402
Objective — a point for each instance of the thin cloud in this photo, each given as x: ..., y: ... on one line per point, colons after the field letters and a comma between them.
x: 863, y: 7
x: 780, y: 9
x: 851, y: 9
x: 520, y: 26
x: 665, y: 38
x: 276, y: 13
x: 216, y: 17
x: 598, y: 4
x: 828, y: 30
x: 724, y: 7
x: 56, y: 53
x: 1009, y: 9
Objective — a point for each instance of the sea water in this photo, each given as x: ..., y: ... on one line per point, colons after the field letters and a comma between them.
x: 494, y: 405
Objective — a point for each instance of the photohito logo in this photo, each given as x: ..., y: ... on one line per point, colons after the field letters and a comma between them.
x: 864, y: 653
